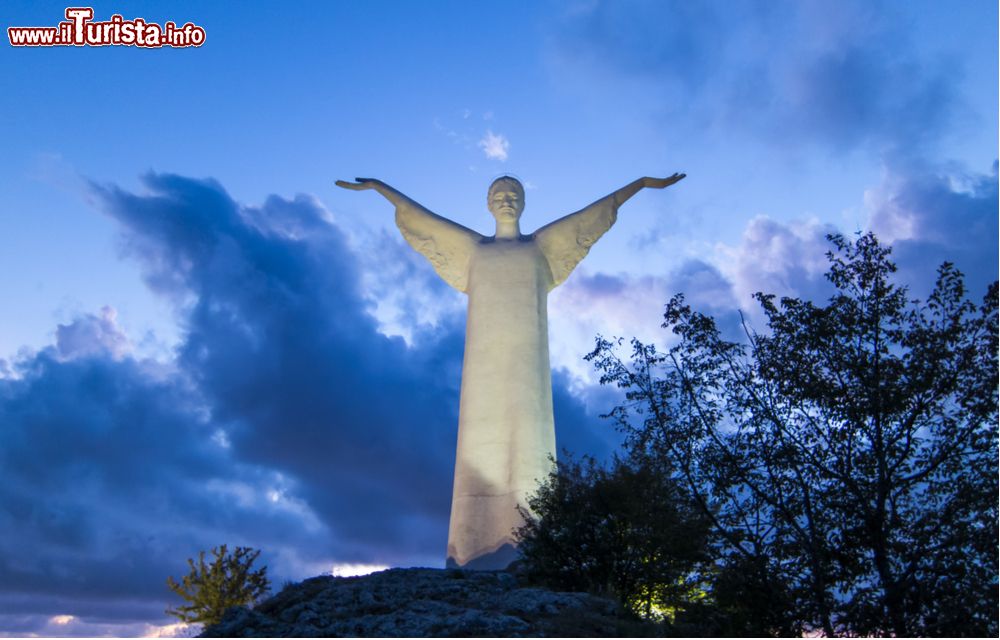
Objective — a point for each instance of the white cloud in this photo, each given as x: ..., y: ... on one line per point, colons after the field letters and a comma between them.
x: 175, y: 630
x: 221, y: 438
x: 495, y: 146
x: 66, y: 626
x: 784, y: 258
x: 91, y: 335
x: 588, y: 304
x: 406, y: 296
x: 347, y: 570
x: 626, y: 306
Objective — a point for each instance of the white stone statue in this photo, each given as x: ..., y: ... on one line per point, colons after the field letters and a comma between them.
x: 506, y: 434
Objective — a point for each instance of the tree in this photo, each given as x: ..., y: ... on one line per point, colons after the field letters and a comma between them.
x: 849, y: 451
x: 211, y: 588
x: 626, y: 531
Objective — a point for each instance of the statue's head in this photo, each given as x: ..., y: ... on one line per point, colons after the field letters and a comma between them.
x: 505, y: 199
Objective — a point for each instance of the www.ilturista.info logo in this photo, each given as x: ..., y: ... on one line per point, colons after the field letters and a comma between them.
x: 79, y: 30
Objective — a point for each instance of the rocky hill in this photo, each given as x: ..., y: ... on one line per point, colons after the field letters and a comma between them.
x: 426, y: 602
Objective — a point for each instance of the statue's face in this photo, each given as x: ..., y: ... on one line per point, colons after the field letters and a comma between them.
x: 506, y: 199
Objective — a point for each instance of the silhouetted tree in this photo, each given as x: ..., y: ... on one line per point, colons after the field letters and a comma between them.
x: 211, y: 588
x: 626, y: 531
x: 848, y: 452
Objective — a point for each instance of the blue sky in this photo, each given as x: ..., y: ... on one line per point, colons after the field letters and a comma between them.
x: 204, y: 341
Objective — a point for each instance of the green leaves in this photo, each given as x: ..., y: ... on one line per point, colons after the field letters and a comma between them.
x: 226, y: 581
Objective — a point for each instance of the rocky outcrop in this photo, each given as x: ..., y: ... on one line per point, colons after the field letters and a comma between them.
x: 425, y: 603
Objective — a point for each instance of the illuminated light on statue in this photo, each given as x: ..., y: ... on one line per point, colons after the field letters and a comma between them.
x: 506, y: 432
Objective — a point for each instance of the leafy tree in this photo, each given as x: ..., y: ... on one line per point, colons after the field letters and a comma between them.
x: 626, y: 531
x: 848, y: 452
x: 211, y: 588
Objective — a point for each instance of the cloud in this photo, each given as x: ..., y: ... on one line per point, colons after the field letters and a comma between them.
x: 61, y: 626
x: 590, y: 304
x: 280, y: 342
x: 107, y: 469
x: 406, y: 297
x: 92, y: 334
x: 495, y: 146
x: 787, y: 259
x: 937, y: 214
x: 286, y: 419
x: 624, y: 306
x: 843, y: 75
x: 927, y: 214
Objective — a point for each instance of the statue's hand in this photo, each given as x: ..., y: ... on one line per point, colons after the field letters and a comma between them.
x: 360, y: 184
x: 660, y: 183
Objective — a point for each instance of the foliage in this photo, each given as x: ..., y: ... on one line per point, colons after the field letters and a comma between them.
x: 849, y: 452
x: 211, y: 588
x: 624, y: 531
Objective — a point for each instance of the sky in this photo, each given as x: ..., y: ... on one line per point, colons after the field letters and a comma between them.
x: 204, y: 341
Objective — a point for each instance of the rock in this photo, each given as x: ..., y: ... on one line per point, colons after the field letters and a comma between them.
x: 425, y: 603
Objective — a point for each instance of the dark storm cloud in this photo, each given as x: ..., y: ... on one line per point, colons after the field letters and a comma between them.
x: 107, y: 466
x: 279, y: 341
x: 841, y: 74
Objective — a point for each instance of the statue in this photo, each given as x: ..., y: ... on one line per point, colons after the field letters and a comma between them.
x: 506, y: 433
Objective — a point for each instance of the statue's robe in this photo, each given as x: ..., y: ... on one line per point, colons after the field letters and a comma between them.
x: 506, y: 433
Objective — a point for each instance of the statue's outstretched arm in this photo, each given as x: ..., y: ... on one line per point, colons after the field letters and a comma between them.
x: 632, y: 188
x: 392, y: 195
x: 566, y: 241
x: 448, y: 245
